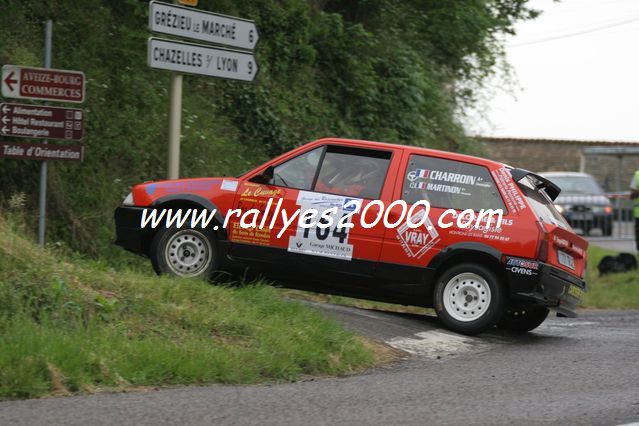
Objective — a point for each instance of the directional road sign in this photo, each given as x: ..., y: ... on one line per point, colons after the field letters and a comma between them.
x: 35, y: 121
x: 200, y: 25
x: 42, y: 83
x: 203, y: 60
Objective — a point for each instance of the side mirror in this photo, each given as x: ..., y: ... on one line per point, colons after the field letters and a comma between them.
x: 266, y: 176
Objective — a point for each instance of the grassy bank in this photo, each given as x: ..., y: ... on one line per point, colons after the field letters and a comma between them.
x: 614, y: 291
x: 80, y: 326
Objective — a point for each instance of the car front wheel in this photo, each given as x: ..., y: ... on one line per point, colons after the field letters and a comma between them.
x: 469, y: 298
x: 189, y: 253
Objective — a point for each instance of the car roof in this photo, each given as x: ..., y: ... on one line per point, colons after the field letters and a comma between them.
x: 566, y: 174
x: 413, y: 149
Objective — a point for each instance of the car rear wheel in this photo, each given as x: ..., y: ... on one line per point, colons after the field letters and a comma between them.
x: 523, y: 319
x: 188, y: 253
x: 469, y: 298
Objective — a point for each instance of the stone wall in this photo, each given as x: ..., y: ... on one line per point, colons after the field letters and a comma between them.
x: 563, y: 155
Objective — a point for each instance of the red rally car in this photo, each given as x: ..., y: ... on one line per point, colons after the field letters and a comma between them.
x: 475, y: 277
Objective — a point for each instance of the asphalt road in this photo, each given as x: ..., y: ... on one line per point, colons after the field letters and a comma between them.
x: 583, y: 371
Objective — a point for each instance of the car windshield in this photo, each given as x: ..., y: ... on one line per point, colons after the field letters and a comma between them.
x: 576, y: 184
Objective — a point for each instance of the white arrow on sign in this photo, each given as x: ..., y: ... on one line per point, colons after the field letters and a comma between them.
x: 5, y: 119
x: 5, y: 129
x: 10, y: 81
x: 200, y: 25
x: 202, y: 60
x: 5, y: 109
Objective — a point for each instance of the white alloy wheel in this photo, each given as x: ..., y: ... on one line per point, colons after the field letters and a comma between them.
x: 466, y: 297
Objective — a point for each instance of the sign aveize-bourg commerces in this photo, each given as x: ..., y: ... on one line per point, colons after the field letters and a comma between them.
x: 42, y: 84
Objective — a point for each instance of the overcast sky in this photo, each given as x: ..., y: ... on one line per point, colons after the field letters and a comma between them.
x: 577, y: 67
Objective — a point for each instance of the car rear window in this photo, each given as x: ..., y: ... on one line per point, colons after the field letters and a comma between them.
x: 542, y: 204
x: 450, y: 184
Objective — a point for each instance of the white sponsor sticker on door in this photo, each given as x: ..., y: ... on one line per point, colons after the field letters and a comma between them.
x: 331, y: 241
x: 228, y: 185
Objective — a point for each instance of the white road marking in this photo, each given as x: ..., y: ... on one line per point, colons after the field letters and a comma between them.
x: 431, y: 344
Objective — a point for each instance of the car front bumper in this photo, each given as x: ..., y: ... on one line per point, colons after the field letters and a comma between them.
x: 546, y: 285
x: 129, y: 234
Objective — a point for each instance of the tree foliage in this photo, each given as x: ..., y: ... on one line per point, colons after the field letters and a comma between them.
x: 386, y: 70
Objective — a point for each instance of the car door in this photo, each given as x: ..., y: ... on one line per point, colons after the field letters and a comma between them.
x: 343, y: 178
x: 349, y: 179
x: 445, y: 184
x: 271, y: 202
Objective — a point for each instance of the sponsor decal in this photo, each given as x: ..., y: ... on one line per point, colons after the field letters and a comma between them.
x: 228, y: 185
x: 326, y: 238
x: 530, y: 264
x: 178, y: 187
x: 257, y: 236
x: 507, y: 187
x: 434, y: 177
x: 351, y: 204
x: 560, y: 241
x: 576, y: 292
x: 417, y: 241
x: 522, y: 266
x: 261, y: 191
x: 438, y: 175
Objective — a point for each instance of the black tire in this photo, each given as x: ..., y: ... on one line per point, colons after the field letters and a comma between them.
x: 192, y: 253
x: 523, y: 319
x: 469, y: 298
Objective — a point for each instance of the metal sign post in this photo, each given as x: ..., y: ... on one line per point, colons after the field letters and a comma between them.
x: 42, y: 203
x: 175, y: 120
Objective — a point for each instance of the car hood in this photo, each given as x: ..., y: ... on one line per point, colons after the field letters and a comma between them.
x: 583, y: 199
x: 149, y: 192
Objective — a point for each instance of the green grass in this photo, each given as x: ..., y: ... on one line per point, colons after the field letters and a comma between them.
x: 613, y: 291
x: 68, y: 327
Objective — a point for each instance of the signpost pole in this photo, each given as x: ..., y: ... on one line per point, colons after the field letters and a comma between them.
x: 48, y: 35
x: 175, y: 121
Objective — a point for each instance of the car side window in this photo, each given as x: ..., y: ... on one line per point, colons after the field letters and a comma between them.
x: 450, y: 184
x: 298, y: 172
x: 353, y: 172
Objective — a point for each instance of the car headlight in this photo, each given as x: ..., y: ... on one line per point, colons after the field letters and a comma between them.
x: 559, y: 208
x: 128, y: 201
